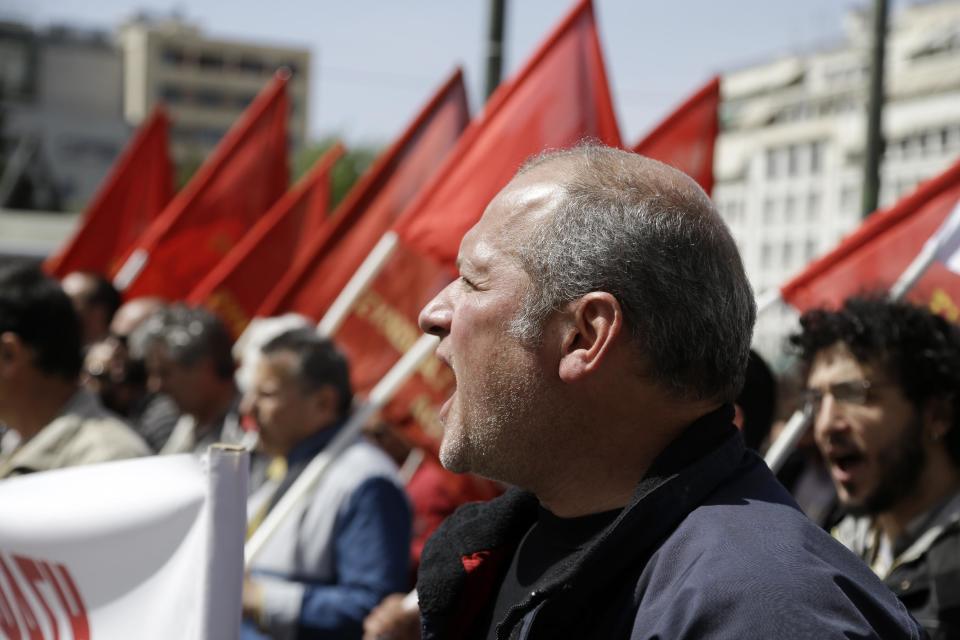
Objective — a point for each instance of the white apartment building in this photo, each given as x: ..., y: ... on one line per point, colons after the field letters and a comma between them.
x: 789, y: 159
x: 205, y: 83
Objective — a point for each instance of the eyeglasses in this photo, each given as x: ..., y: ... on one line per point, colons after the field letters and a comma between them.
x: 849, y: 393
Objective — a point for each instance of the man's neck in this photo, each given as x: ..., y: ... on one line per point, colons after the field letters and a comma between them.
x: 939, y: 480
x: 40, y: 406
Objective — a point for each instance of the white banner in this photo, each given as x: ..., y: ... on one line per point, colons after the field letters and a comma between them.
x: 147, y: 548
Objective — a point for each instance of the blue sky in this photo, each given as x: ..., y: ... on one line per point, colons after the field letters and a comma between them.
x: 376, y: 61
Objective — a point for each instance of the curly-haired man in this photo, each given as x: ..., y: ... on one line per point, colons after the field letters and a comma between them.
x: 883, y: 381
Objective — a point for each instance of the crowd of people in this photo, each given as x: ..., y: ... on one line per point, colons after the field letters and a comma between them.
x: 599, y: 333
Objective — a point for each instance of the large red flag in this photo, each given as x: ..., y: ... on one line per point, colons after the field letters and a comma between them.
x: 558, y: 98
x: 237, y: 286
x: 134, y: 193
x: 245, y: 175
x: 874, y: 256
x: 372, y: 206
x: 687, y: 137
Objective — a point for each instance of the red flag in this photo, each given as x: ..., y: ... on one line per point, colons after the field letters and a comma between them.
x: 246, y: 173
x: 240, y: 282
x: 372, y: 206
x: 134, y: 193
x: 559, y: 97
x: 874, y: 256
x: 687, y: 137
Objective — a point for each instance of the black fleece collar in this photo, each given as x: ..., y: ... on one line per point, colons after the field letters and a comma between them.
x: 681, y: 477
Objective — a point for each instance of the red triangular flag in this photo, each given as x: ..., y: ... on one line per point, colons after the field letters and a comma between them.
x: 558, y: 98
x: 245, y: 175
x: 372, y: 206
x: 237, y: 286
x: 134, y: 193
x: 875, y: 255
x: 687, y: 137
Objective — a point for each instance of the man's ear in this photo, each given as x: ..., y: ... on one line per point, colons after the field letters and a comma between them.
x: 326, y: 403
x: 12, y: 353
x: 595, y: 322
x: 938, y: 417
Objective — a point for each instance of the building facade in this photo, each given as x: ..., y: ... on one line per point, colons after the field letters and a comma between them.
x: 70, y: 99
x: 790, y: 156
x: 204, y: 83
x: 62, y: 115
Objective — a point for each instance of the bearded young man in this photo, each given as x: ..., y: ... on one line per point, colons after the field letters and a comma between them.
x: 598, y: 333
x: 883, y: 381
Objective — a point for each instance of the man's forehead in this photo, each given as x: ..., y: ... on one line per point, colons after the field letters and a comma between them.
x: 838, y: 363
x: 516, y: 210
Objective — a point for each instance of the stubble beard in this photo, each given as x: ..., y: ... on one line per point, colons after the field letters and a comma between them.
x: 900, y: 469
x: 492, y: 431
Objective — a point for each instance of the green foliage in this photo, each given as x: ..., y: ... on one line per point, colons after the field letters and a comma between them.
x: 345, y: 173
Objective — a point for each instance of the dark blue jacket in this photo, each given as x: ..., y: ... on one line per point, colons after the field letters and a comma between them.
x: 711, y: 546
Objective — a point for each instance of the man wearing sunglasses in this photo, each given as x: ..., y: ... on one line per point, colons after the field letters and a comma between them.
x: 883, y: 385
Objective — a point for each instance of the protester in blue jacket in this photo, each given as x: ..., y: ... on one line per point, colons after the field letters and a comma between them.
x: 347, y: 545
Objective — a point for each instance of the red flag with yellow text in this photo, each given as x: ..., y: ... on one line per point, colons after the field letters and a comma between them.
x: 237, y: 286
x: 373, y: 204
x: 687, y: 137
x: 559, y: 97
x: 134, y: 193
x: 873, y: 257
x: 245, y: 175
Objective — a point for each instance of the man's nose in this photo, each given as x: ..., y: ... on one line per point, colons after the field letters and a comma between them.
x: 828, y: 419
x: 435, y: 317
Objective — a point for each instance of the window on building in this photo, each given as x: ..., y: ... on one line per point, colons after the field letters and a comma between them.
x: 173, y: 56
x: 809, y: 249
x: 789, y: 208
x: 849, y: 196
x: 771, y: 159
x: 766, y: 255
x: 816, y: 157
x: 769, y: 210
x: 210, y: 61
x: 248, y: 64
x: 813, y: 206
x: 793, y: 160
x: 171, y: 94
x: 786, y: 258
x: 208, y: 97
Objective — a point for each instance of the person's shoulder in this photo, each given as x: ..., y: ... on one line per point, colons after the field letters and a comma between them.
x: 755, y: 564
x: 105, y: 437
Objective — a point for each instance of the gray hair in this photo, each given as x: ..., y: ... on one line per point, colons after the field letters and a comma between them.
x: 188, y: 334
x: 649, y: 236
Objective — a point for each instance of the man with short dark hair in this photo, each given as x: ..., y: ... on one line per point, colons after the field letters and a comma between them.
x: 598, y: 333
x: 96, y: 300
x: 187, y: 352
x: 58, y: 424
x: 883, y: 382
x: 347, y: 547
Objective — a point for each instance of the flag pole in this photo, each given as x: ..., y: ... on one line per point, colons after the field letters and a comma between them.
x: 371, y: 266
x: 315, y: 470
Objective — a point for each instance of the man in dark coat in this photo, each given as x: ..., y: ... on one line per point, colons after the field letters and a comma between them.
x: 598, y: 331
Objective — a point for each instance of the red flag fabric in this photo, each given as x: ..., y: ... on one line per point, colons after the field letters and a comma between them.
x: 134, y: 193
x: 559, y: 97
x: 373, y: 204
x: 687, y: 137
x: 245, y: 175
x: 237, y: 286
x: 874, y: 256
